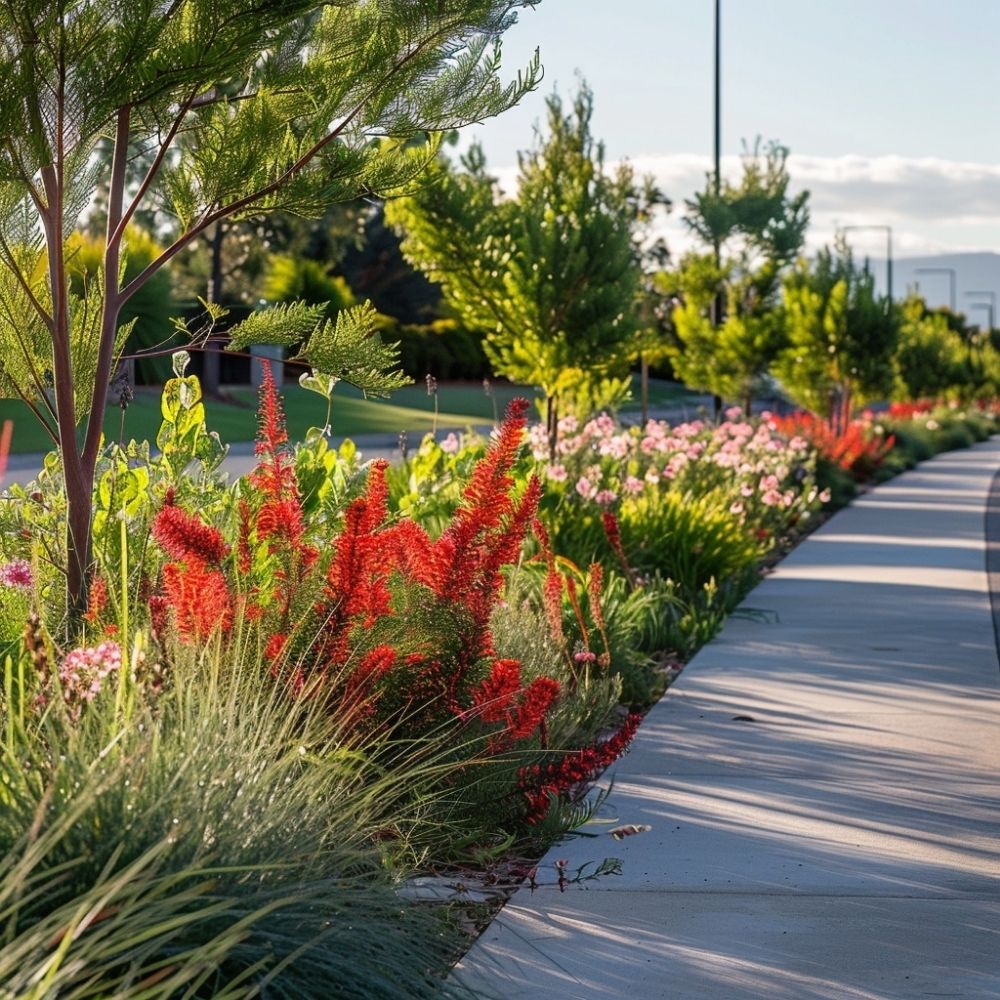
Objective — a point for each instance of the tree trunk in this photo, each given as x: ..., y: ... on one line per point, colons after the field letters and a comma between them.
x: 552, y: 424
x: 644, y: 387
x: 211, y: 366
x: 748, y: 405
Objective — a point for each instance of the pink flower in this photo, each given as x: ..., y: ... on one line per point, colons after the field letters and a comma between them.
x: 16, y: 574
x: 83, y: 670
x: 606, y: 497
x: 585, y: 488
x: 450, y: 444
x: 557, y: 473
x: 633, y: 485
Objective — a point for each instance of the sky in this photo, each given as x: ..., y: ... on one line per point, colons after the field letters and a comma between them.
x: 889, y: 107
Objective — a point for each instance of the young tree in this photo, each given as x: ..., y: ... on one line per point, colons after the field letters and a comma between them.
x: 727, y: 329
x: 841, y: 337
x: 931, y: 358
x: 549, y: 276
x: 247, y: 108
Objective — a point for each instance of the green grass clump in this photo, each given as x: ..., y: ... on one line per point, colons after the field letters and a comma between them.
x: 216, y: 841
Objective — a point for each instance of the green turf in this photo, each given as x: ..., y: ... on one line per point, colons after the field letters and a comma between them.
x: 410, y: 409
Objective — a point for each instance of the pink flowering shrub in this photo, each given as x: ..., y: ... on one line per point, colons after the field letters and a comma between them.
x: 695, y: 501
x: 769, y: 476
x: 84, y: 671
x: 16, y: 582
x: 680, y: 516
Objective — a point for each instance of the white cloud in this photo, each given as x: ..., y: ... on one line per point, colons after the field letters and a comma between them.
x: 933, y: 205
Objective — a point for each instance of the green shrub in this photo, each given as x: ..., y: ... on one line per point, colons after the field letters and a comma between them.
x: 691, y: 539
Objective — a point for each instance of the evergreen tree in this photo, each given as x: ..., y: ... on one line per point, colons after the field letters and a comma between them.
x: 248, y: 109
x: 841, y: 337
x: 550, y: 275
x: 727, y: 331
x: 932, y: 358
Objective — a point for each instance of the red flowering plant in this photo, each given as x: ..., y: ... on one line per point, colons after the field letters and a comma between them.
x: 392, y: 629
x: 859, y: 449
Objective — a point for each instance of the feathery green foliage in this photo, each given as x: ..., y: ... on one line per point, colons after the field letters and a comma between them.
x: 841, y: 337
x: 755, y: 228
x: 242, y: 110
x: 549, y: 275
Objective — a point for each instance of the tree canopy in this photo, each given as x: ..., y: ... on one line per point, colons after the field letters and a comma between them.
x: 549, y: 275
x: 841, y: 336
x: 242, y: 110
x: 727, y: 330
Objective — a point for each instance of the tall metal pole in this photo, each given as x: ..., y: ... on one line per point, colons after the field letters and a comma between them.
x: 952, y: 282
x: 717, y: 302
x: 718, y: 101
x: 888, y: 252
x: 888, y: 261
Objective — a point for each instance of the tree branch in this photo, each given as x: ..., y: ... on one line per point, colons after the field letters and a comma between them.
x: 112, y: 296
x: 39, y: 416
x: 11, y: 264
x: 154, y: 168
x: 221, y: 213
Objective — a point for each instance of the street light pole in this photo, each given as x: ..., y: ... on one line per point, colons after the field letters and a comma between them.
x: 952, y: 282
x: 717, y: 180
x: 718, y: 100
x: 991, y: 305
x: 888, y: 252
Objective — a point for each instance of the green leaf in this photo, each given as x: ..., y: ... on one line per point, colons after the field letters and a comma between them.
x: 316, y: 381
x: 350, y: 350
x: 287, y: 324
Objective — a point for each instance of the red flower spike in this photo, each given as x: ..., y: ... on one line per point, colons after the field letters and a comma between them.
x: 97, y: 600
x: 377, y: 662
x: 272, y: 434
x: 360, y: 695
x: 552, y: 591
x: 199, y: 598
x: 159, y: 616
x: 614, y: 536
x: 541, y: 784
x: 275, y: 646
x: 493, y: 697
x: 595, y: 588
x: 486, y: 501
x: 535, y: 705
x: 183, y: 536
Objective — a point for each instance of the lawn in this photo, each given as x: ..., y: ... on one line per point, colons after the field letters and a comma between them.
x: 410, y: 409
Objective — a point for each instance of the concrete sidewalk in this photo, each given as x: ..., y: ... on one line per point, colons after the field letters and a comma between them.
x: 822, y: 788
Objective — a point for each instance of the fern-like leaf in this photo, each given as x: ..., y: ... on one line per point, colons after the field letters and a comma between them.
x: 287, y: 324
x: 351, y: 350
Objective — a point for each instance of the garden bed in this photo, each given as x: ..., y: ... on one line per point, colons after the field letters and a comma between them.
x: 306, y: 710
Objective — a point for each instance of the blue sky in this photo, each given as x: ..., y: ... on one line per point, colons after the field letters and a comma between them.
x: 891, y: 108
